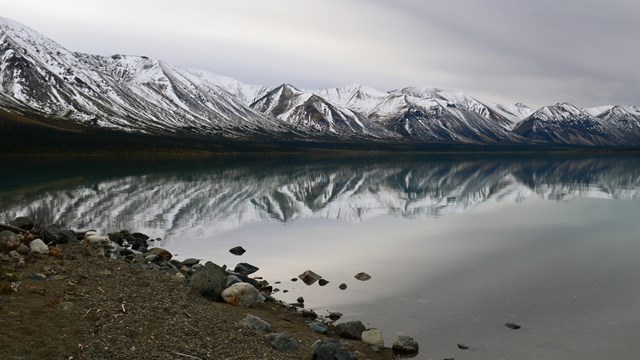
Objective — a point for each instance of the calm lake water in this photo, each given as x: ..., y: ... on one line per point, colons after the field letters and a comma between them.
x: 456, y: 246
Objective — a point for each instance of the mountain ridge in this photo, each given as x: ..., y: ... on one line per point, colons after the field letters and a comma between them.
x: 136, y: 94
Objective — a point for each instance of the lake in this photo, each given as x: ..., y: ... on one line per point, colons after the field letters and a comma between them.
x: 456, y: 245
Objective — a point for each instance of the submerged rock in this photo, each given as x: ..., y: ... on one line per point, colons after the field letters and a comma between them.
x: 512, y: 326
x: 335, y: 316
x: 190, y: 261
x: 342, y: 286
x: 463, y: 347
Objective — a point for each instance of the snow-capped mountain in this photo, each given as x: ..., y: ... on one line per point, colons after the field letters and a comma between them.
x: 138, y: 95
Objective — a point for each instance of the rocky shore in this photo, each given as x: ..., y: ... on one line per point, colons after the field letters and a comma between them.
x: 82, y: 295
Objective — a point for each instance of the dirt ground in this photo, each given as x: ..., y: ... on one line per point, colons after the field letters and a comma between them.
x: 98, y: 308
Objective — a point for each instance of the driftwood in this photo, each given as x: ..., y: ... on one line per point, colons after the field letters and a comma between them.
x: 13, y: 228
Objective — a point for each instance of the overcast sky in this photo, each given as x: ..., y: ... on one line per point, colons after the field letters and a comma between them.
x: 538, y: 52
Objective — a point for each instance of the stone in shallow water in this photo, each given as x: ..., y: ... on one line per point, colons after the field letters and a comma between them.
x: 406, y: 344
x: 350, y: 329
x: 512, y: 326
x: 343, y: 286
x: 309, y: 277
x: 163, y: 254
x: 238, y: 250
x: 323, y: 282
x: 246, y: 268
x: 335, y: 316
x: 373, y: 337
x: 362, y: 276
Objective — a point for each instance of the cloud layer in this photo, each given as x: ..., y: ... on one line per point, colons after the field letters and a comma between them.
x: 537, y: 52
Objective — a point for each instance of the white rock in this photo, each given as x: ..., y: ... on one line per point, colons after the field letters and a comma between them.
x: 38, y: 246
x: 373, y: 337
x: 241, y: 294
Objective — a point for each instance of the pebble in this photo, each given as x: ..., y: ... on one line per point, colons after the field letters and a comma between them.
x: 323, y: 282
x: 343, y: 286
x: 300, y: 300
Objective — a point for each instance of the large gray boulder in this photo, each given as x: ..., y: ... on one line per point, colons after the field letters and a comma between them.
x: 38, y: 246
x: 350, y: 329
x: 373, y: 337
x: 54, y: 234
x: 209, y: 281
x: 240, y: 294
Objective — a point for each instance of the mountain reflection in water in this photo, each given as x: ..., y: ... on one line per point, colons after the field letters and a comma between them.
x: 217, y: 196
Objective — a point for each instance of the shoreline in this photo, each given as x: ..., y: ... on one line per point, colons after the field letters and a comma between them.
x: 73, y: 290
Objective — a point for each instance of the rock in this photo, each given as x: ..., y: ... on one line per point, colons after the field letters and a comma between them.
x: 342, y: 286
x: 238, y: 250
x: 309, y: 277
x: 37, y: 277
x: 232, y: 279
x: 136, y: 240
x: 309, y: 314
x: 373, y: 337
x: 350, y: 329
x: 318, y: 328
x: 240, y: 294
x: 513, y: 326
x: 55, y: 252
x: 22, y: 222
x: 405, y: 344
x: 323, y: 282
x: 38, y: 246
x: 335, y: 316
x: 53, y: 234
x: 162, y: 253
x: 261, y: 298
x: 23, y: 249
x: 209, y: 281
x: 9, y: 241
x: 294, y: 279
x: 143, y: 249
x: 152, y: 257
x: 190, y: 261
x: 300, y: 300
x: 256, y: 324
x: 463, y: 347
x: 14, y: 256
x: 282, y: 342
x: 245, y: 268
x: 362, y: 276
x: 332, y: 349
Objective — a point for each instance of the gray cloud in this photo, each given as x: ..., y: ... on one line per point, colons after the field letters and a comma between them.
x: 537, y: 52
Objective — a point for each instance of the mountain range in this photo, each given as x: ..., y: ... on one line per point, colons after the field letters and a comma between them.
x: 52, y: 94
